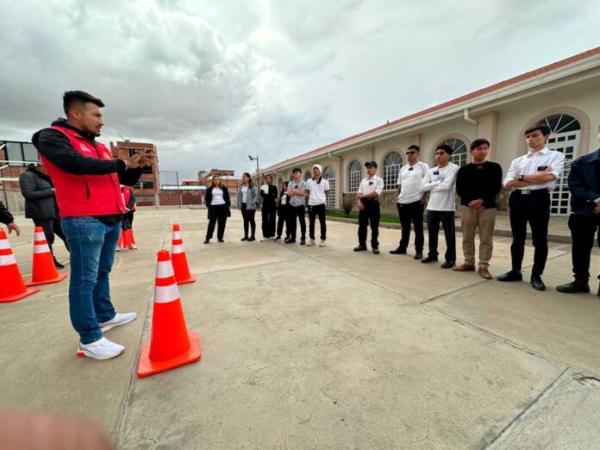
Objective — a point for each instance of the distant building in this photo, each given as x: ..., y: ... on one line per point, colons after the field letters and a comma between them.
x: 146, y: 189
x: 227, y: 179
x: 14, y: 157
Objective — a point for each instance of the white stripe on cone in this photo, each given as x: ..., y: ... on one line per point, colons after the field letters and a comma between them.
x: 41, y: 248
x: 177, y: 235
x: 39, y: 236
x: 177, y: 249
x: 166, y: 294
x: 4, y: 244
x: 164, y: 269
x: 7, y: 260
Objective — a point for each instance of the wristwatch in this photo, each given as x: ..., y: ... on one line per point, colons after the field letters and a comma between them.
x: 521, y: 177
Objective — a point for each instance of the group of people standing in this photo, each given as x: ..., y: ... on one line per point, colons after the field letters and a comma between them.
x: 531, y: 177
x: 279, y: 209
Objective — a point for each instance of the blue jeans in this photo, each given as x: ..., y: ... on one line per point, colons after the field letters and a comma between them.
x: 92, y: 246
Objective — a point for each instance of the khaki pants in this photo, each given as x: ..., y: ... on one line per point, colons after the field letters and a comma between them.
x: 485, y: 221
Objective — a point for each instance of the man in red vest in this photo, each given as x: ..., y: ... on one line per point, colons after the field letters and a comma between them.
x: 87, y: 181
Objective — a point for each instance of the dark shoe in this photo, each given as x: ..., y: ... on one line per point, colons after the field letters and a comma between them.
x: 58, y: 265
x: 537, y: 283
x: 376, y: 251
x: 398, y: 251
x: 245, y: 238
x: 207, y: 241
x: 485, y: 273
x: 573, y: 287
x: 221, y: 241
x: 360, y: 248
x: 510, y: 276
x: 302, y: 241
x: 429, y: 259
x: 418, y: 255
x: 448, y: 265
x: 290, y: 241
x: 252, y: 238
x: 464, y: 268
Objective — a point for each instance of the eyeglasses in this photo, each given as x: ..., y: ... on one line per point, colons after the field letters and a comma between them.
x: 410, y: 153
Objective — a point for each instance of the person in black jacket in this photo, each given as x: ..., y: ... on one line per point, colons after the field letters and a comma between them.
x: 283, y: 211
x: 218, y: 203
x: 584, y: 221
x: 268, y: 193
x: 7, y: 219
x: 40, y: 205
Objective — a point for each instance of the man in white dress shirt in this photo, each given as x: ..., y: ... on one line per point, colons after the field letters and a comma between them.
x: 367, y: 202
x: 410, y: 204
x: 441, y: 181
x: 532, y: 177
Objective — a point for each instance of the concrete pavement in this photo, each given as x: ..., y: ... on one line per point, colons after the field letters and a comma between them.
x: 322, y: 348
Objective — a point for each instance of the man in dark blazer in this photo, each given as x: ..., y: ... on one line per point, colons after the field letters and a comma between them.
x: 584, y: 222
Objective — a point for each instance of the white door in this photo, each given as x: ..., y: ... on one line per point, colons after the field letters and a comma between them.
x: 567, y: 143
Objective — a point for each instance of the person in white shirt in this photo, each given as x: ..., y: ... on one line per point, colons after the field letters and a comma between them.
x: 247, y: 197
x: 532, y: 177
x: 317, y: 187
x: 367, y: 202
x: 441, y: 182
x: 409, y: 203
x: 218, y: 203
x: 296, y: 191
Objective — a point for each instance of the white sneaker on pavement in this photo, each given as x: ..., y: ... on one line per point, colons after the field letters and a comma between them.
x: 118, y: 320
x: 322, y: 243
x: 101, y: 349
x: 311, y: 243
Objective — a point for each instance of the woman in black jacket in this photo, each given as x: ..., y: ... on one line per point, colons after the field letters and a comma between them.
x: 218, y: 203
x: 40, y: 204
x: 268, y: 193
x: 283, y: 212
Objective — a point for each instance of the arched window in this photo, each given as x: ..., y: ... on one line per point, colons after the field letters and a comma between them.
x: 565, y: 134
x: 391, y: 167
x: 329, y: 175
x: 354, y: 176
x: 459, y: 153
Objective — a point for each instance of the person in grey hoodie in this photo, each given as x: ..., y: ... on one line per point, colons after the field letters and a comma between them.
x: 247, y: 196
x: 40, y: 204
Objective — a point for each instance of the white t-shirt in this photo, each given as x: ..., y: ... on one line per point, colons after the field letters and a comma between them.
x: 265, y: 188
x: 244, y: 194
x: 442, y: 184
x: 217, y: 197
x: 317, y: 195
x: 369, y: 185
x: 409, y: 179
x: 537, y: 162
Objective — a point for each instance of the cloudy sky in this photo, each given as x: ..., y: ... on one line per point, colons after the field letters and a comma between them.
x: 212, y: 82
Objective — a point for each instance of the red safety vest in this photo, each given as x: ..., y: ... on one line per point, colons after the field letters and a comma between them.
x: 85, y: 195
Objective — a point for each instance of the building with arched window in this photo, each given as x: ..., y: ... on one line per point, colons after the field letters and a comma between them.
x: 564, y: 95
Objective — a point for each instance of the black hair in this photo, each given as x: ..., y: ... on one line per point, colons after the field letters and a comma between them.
x: 296, y: 169
x: 414, y: 147
x: 71, y: 98
x: 545, y: 129
x: 250, y: 182
x: 444, y: 147
x: 477, y: 142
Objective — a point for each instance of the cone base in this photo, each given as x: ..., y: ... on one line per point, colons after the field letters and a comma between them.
x: 59, y: 278
x: 15, y: 298
x: 191, y: 279
x: 146, y: 367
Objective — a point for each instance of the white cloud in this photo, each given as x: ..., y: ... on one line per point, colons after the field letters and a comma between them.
x: 211, y: 83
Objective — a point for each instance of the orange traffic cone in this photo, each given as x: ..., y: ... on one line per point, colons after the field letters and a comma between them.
x: 43, y: 270
x: 12, y: 287
x: 180, y: 264
x: 171, y: 344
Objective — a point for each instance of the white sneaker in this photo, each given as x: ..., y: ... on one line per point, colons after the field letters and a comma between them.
x: 101, y: 349
x: 118, y: 320
x: 322, y: 243
x: 311, y: 243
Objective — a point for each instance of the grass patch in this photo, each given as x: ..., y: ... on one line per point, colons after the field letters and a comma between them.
x: 385, y: 218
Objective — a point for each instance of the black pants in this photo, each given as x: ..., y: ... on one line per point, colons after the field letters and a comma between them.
x: 269, y: 214
x: 248, y: 216
x: 217, y: 214
x: 369, y: 215
x: 51, y: 227
x: 297, y: 212
x: 433, y: 228
x: 314, y: 212
x: 535, y: 209
x: 127, y: 220
x: 411, y: 213
x: 583, y: 231
x: 283, y: 212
